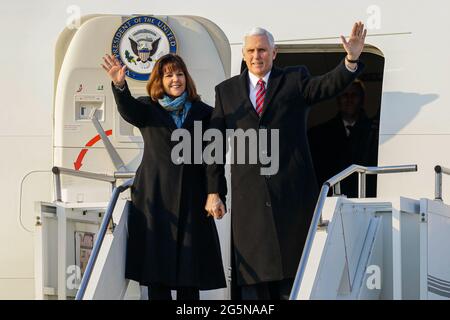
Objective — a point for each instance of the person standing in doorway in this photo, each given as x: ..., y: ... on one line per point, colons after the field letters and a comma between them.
x: 271, y: 214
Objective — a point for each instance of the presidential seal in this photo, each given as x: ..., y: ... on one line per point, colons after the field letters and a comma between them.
x: 139, y: 42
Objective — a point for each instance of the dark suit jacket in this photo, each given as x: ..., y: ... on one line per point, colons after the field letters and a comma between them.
x: 271, y: 215
x: 332, y: 151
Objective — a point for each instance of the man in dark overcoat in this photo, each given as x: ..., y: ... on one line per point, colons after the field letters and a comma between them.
x: 348, y: 138
x: 270, y: 214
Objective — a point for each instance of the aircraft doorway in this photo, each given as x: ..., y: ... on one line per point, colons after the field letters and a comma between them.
x: 334, y: 145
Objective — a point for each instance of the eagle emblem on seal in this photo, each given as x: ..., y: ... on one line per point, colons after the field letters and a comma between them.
x: 144, y: 49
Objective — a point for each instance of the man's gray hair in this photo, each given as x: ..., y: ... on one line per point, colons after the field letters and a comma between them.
x: 257, y: 31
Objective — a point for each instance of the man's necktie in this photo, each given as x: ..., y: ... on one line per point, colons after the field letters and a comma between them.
x: 260, y: 96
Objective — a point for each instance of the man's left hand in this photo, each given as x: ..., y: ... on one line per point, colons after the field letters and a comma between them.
x: 355, y: 43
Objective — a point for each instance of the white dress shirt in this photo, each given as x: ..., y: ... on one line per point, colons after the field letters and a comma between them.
x: 253, y: 85
x: 348, y: 124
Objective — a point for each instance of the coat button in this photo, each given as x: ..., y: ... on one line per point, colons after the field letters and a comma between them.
x: 268, y: 204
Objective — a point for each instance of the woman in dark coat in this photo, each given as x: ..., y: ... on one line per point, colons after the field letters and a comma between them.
x: 172, y: 243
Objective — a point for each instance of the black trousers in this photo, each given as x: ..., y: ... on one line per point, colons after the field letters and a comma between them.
x: 161, y: 292
x: 274, y: 290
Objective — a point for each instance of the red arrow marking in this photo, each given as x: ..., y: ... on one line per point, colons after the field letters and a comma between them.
x: 97, y: 138
x: 78, y: 163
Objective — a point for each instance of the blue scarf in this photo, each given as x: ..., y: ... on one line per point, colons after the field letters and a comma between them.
x: 177, y: 107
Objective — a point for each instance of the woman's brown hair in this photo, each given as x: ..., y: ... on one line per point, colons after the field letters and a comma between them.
x: 171, y: 62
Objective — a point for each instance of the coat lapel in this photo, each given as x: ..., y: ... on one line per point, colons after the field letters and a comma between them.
x: 196, y: 113
x: 245, y: 93
x: 166, y: 118
x: 274, y: 81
